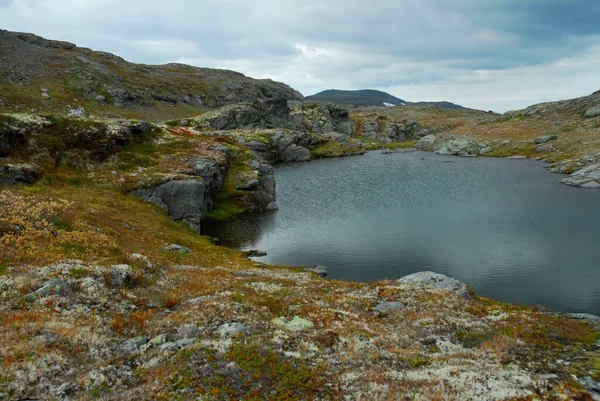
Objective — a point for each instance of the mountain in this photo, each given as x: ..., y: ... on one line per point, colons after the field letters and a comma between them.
x: 41, y: 74
x: 364, y: 97
x: 372, y: 97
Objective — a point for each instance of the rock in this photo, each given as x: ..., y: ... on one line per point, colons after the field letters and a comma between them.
x: 54, y: 286
x: 385, y: 306
x: 134, y: 343
x: 183, y: 200
x: 593, y: 319
x: 587, y: 177
x: 336, y: 137
x: 230, y: 329
x: 188, y: 330
x: 486, y: 150
x: 547, y: 147
x: 516, y: 157
x: 140, y: 260
x: 296, y: 324
x: 320, y: 270
x: 177, y: 249
x: 459, y: 147
x: 250, y: 185
x: 120, y: 276
x: 437, y: 281
x: 26, y: 173
x: 77, y: 113
x: 592, y: 112
x: 184, y: 342
x: 426, y: 142
x: 505, y: 142
x: 255, y: 253
x: 544, y: 139
x: 294, y: 153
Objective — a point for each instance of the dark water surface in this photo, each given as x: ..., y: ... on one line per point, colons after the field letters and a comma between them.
x: 507, y: 228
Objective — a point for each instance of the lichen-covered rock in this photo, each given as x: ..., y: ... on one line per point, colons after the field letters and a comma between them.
x: 177, y: 249
x: 426, y: 142
x: 386, y: 307
x: 592, y: 112
x: 459, y: 147
x: 437, y: 281
x: 587, y: 177
x: 296, y: 324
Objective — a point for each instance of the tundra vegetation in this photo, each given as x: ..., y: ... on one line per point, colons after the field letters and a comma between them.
x: 106, y: 296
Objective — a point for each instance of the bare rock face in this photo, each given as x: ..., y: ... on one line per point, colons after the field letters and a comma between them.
x: 183, y: 200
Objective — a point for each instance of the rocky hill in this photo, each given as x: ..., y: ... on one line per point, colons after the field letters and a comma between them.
x: 371, y: 97
x: 46, y: 75
x: 108, y: 292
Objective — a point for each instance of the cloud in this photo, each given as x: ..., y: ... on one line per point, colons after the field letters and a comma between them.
x: 494, y: 54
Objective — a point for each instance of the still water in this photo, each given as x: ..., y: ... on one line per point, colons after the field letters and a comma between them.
x: 507, y: 228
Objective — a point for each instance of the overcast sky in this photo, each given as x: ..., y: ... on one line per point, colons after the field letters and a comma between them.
x: 487, y: 54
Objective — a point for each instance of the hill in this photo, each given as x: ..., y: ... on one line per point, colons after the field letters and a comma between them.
x: 371, y: 97
x: 364, y: 97
x: 48, y: 75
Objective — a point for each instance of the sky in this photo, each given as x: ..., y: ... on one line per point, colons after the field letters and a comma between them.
x: 487, y: 54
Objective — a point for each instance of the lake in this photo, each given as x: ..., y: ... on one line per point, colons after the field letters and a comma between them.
x: 507, y: 228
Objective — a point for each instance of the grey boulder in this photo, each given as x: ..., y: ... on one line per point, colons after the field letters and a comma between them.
x: 428, y: 279
x: 425, y: 142
x: 544, y: 139
x: 183, y: 200
x: 295, y: 153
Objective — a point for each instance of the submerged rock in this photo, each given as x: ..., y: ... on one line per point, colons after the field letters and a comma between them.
x: 438, y: 281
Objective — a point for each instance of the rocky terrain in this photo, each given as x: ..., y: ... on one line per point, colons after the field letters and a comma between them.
x: 107, y: 290
x: 46, y: 75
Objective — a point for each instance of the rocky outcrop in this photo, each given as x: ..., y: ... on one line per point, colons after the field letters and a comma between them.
x: 322, y: 118
x: 261, y: 190
x: 386, y: 131
x: 273, y: 113
x: 587, y: 177
x: 183, y: 200
x: 91, y: 77
x: 26, y: 173
x: 295, y: 153
x: 213, y: 174
x: 440, y: 282
x: 276, y: 113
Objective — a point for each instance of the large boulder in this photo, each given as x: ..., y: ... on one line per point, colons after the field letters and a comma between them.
x: 295, y: 153
x: 459, y: 147
x: 213, y: 174
x: 587, y: 177
x: 428, y: 279
x: 183, y: 200
x: 426, y: 142
x: 592, y: 112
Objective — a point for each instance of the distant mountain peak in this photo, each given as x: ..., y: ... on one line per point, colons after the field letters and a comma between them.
x: 371, y: 97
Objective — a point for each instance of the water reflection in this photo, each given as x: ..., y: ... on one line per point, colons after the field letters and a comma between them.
x: 508, y: 228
